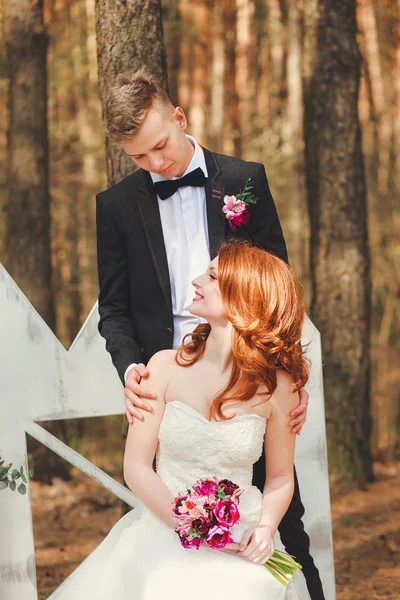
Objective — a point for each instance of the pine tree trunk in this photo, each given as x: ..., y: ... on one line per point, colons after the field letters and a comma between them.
x: 28, y: 216
x: 263, y: 67
x: 216, y: 115
x: 28, y: 211
x: 129, y: 36
x: 233, y: 140
x: 292, y: 134
x: 172, y: 35
x: 199, y: 101
x: 339, y: 243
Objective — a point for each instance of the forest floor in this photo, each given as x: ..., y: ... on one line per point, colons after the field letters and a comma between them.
x: 71, y: 518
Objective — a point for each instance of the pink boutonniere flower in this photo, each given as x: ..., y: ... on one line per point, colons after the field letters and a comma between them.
x: 235, y: 208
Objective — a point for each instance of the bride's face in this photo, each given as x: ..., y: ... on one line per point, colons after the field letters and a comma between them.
x: 207, y: 301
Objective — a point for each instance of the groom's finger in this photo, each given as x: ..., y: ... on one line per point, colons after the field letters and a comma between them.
x: 139, y: 392
x: 135, y: 404
x: 142, y: 370
x: 303, y: 403
x: 297, y: 424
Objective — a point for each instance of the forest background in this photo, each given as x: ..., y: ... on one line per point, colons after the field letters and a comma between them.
x: 236, y: 69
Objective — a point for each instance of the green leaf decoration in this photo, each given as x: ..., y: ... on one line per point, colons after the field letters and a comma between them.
x: 221, y: 493
x: 22, y: 489
x: 246, y: 195
x: 4, y: 471
x: 13, y: 485
x: 24, y: 479
x: 193, y: 534
x: 15, y: 474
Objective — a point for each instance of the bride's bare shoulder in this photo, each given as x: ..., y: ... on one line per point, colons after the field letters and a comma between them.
x: 284, y: 395
x: 159, y: 368
x: 163, y: 357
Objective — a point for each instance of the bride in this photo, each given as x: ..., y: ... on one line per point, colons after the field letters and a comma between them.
x: 208, y: 421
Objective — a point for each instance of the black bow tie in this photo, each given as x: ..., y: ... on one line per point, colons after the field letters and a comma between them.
x: 165, y: 189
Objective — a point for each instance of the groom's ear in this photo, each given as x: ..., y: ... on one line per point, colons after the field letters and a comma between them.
x: 180, y: 117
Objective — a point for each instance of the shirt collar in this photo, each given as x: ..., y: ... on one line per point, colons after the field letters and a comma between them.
x: 198, y: 160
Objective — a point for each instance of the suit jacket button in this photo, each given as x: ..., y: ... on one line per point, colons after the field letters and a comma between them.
x: 169, y: 330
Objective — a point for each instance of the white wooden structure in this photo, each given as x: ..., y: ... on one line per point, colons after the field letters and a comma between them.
x: 41, y: 381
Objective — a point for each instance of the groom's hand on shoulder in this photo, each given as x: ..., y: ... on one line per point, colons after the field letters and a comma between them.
x: 298, y: 415
x: 135, y: 394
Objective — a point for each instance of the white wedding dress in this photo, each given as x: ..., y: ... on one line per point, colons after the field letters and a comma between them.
x: 142, y: 558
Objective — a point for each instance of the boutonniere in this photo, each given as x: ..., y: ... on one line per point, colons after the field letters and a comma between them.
x: 235, y: 208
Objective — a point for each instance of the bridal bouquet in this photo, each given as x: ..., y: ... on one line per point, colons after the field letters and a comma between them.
x: 206, y: 515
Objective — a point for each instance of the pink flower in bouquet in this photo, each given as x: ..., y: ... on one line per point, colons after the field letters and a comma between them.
x: 226, y: 513
x: 205, y: 487
x: 218, y: 537
x: 193, y: 542
x: 178, y: 504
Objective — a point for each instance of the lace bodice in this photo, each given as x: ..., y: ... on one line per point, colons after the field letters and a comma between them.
x: 191, y: 447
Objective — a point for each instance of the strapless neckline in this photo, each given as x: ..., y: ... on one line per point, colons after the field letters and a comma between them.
x: 195, y: 413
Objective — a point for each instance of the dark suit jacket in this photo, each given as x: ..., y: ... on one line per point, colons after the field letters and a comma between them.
x: 135, y: 294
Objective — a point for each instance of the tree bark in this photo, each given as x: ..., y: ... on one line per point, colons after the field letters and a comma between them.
x: 28, y: 209
x: 292, y: 136
x: 28, y: 216
x: 199, y: 91
x: 129, y: 36
x: 172, y: 35
x: 233, y: 140
x: 217, y: 68
x: 340, y: 261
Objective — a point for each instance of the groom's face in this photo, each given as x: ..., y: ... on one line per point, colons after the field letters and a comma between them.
x: 161, y: 146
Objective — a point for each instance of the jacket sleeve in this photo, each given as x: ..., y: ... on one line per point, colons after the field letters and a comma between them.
x: 266, y: 229
x: 115, y: 324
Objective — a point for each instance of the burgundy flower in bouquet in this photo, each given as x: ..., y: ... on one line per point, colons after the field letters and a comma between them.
x: 206, y: 515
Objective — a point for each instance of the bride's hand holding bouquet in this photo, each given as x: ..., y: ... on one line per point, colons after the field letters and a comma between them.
x: 257, y: 544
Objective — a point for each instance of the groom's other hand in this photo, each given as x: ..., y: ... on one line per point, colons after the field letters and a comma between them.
x: 135, y: 393
x: 299, y: 413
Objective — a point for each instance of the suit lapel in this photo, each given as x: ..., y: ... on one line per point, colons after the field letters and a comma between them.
x: 215, y: 192
x: 151, y: 220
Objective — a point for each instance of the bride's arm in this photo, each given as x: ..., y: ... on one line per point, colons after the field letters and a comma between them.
x: 257, y: 543
x: 141, y: 445
x: 279, y: 443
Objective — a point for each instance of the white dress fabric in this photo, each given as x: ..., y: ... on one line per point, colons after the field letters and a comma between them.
x: 142, y: 558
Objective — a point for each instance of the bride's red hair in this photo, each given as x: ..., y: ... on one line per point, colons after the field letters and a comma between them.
x: 264, y: 303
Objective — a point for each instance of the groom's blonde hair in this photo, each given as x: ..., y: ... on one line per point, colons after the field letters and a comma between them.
x: 128, y: 103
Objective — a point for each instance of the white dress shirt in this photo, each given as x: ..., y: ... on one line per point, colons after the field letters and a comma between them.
x: 185, y: 231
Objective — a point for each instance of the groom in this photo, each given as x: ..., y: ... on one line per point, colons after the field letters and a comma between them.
x: 156, y: 231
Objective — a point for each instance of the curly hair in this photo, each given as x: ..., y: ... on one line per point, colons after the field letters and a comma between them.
x: 263, y: 300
